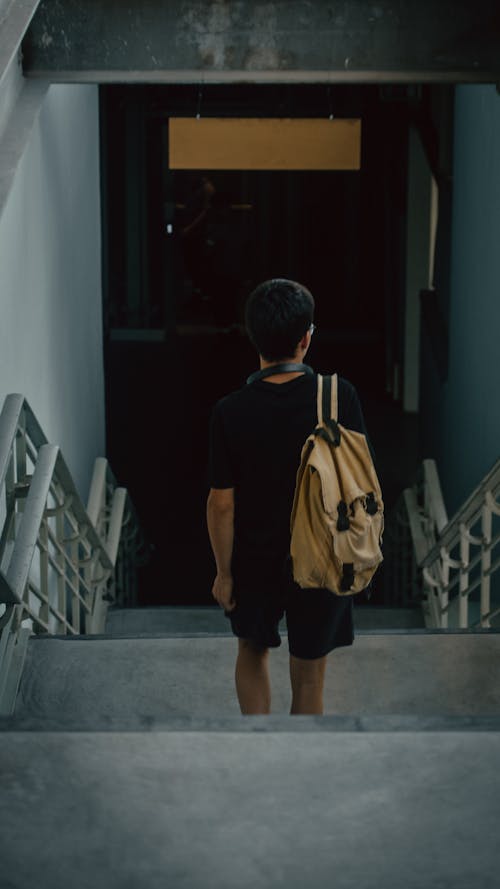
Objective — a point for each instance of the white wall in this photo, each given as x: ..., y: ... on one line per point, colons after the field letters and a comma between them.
x: 50, y: 279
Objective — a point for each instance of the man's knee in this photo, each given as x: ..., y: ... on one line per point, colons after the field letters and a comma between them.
x: 307, y: 673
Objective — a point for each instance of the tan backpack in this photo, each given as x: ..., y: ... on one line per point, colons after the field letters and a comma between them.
x: 337, y: 516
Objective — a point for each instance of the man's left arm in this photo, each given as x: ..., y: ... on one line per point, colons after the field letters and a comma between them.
x: 220, y: 521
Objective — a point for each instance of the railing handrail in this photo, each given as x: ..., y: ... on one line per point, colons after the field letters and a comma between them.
x: 20, y: 563
x: 96, y: 488
x: 64, y: 475
x: 102, y: 479
x: 9, y: 423
x: 450, y: 535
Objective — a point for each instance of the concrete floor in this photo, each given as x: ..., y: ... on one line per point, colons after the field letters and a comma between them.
x: 200, y: 810
x: 129, y: 682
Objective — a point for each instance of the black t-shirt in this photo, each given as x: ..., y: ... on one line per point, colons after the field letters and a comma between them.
x: 256, y: 438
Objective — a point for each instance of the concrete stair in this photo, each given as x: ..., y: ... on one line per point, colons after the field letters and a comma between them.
x: 211, y: 620
x: 126, y: 682
x: 127, y: 764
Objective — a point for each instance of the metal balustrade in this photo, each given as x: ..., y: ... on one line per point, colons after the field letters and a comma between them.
x: 113, y: 515
x: 61, y: 565
x: 457, y: 558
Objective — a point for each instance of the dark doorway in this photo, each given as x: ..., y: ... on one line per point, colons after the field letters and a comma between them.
x: 261, y: 225
x: 175, y: 343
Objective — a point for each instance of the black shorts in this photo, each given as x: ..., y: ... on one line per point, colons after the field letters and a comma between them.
x: 317, y: 620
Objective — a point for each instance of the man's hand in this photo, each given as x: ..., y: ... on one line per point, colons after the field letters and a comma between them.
x: 222, y: 591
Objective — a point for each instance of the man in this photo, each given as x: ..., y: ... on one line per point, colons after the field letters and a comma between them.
x: 257, y: 434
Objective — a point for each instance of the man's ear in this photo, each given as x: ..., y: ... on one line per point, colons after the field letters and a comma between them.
x: 305, y: 341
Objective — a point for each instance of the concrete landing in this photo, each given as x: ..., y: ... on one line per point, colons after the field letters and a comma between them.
x: 173, y: 619
x: 125, y: 621
x: 239, y: 811
x: 117, y: 682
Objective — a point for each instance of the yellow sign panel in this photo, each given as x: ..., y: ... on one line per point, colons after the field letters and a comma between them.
x: 218, y: 143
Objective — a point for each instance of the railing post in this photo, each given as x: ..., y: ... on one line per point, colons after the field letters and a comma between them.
x: 75, y: 560
x: 97, y: 495
x: 443, y: 592
x: 61, y: 577
x: 486, y: 527
x: 434, y: 503
x: 88, y: 574
x: 21, y: 456
x: 116, y: 522
x: 44, y: 571
x: 13, y: 645
x: 463, y: 600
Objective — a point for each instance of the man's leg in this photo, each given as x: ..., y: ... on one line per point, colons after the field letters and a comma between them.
x: 307, y: 678
x: 253, y: 684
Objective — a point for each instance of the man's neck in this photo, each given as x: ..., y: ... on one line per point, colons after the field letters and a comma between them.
x: 282, y: 377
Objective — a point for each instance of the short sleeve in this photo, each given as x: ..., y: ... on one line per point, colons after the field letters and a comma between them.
x: 220, y: 464
x: 351, y: 413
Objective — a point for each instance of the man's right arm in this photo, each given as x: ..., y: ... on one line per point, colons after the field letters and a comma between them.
x: 220, y: 521
x: 220, y: 508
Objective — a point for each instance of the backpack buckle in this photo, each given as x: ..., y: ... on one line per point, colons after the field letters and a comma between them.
x: 330, y: 432
x: 347, y: 579
x: 343, y: 523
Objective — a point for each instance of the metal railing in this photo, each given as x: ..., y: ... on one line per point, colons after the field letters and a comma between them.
x: 458, y: 558
x: 61, y: 565
x: 113, y: 515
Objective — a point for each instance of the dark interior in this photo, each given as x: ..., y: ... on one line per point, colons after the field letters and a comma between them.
x: 175, y: 345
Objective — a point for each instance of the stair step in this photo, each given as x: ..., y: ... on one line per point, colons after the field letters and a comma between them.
x: 386, y: 723
x: 176, y: 619
x: 236, y: 811
x: 115, y: 681
x: 173, y: 619
x: 378, y: 618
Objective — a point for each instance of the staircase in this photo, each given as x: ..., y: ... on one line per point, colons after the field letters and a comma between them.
x: 126, y: 763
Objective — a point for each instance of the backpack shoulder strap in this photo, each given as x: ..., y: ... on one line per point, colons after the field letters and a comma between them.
x: 327, y: 400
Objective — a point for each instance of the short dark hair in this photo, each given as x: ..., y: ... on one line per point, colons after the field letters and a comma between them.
x: 277, y: 315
